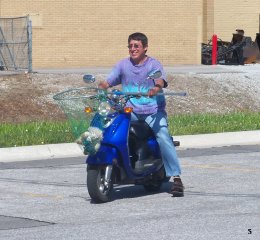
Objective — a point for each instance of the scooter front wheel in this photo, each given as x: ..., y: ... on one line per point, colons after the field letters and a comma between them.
x: 99, y: 190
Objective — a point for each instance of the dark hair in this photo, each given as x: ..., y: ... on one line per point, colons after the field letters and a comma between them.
x: 139, y: 37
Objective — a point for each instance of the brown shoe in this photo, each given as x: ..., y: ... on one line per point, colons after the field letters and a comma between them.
x: 177, y: 189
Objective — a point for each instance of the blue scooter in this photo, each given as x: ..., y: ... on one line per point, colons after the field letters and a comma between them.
x: 120, y: 151
x: 128, y: 152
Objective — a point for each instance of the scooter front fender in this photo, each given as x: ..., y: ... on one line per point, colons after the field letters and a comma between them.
x: 105, y: 155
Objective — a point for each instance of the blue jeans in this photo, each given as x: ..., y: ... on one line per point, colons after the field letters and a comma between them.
x: 159, y: 124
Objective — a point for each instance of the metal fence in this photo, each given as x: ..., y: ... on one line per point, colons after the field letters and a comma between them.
x: 16, y: 44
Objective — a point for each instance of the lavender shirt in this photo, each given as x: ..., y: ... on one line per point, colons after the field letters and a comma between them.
x: 134, y: 79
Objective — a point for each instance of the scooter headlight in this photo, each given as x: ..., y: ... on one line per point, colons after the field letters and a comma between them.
x: 104, y: 109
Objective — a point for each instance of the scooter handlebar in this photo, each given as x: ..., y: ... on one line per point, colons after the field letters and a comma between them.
x: 119, y: 93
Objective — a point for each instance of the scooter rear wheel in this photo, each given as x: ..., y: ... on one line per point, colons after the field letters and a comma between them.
x: 98, y: 191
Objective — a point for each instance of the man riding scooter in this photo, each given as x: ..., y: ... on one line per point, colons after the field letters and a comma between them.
x: 131, y: 72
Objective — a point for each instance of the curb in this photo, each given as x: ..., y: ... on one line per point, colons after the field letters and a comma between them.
x: 220, y: 139
x: 68, y: 150
x: 40, y: 152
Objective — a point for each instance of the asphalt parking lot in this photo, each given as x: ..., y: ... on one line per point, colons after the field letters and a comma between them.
x: 48, y: 199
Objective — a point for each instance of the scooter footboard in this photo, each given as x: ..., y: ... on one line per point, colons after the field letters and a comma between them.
x: 105, y: 155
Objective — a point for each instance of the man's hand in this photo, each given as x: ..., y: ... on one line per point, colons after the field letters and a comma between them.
x: 153, y: 91
x: 103, y: 85
x: 157, y: 88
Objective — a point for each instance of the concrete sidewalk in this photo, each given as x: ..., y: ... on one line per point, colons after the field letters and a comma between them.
x: 66, y: 150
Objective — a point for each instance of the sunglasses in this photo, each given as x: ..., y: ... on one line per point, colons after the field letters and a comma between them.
x: 135, y: 46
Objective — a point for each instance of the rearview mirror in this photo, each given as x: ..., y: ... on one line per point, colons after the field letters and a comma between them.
x: 88, y: 78
x: 154, y: 74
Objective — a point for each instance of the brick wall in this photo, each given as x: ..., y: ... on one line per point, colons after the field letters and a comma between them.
x: 239, y: 14
x: 208, y: 19
x: 76, y: 33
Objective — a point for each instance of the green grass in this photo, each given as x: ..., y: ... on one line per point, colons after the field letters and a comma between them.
x: 35, y: 133
x: 214, y: 123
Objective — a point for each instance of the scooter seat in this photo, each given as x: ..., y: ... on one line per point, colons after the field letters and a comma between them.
x: 141, y: 129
